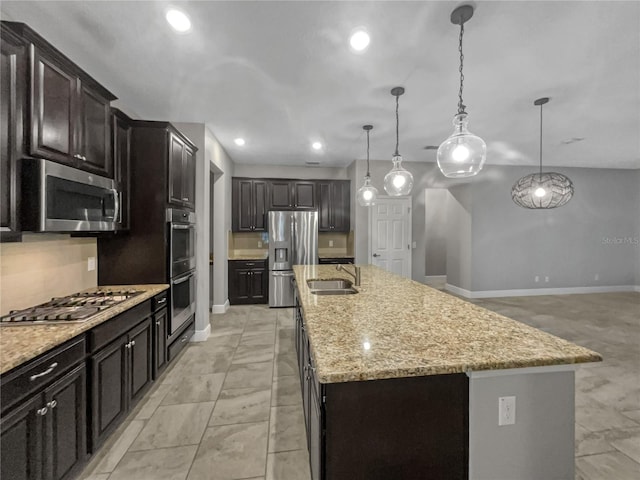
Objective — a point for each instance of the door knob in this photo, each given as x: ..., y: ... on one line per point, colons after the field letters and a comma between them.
x: 376, y: 255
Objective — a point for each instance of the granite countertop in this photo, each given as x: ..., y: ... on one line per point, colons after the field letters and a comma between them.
x: 334, y: 255
x: 249, y: 256
x: 395, y: 327
x: 20, y: 343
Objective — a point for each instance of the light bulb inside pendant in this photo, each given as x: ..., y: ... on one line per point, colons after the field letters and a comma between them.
x: 398, y: 181
x: 540, y: 192
x: 460, y: 153
x: 367, y: 193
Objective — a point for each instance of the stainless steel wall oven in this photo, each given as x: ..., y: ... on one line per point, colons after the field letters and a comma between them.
x: 182, y: 241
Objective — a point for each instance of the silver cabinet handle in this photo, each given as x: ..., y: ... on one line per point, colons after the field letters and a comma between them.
x: 163, y: 301
x: 42, y: 411
x: 133, y: 343
x: 78, y: 156
x: 158, y: 323
x: 52, y: 404
x: 46, y: 372
x: 185, y: 199
x: 183, y: 339
x: 127, y: 345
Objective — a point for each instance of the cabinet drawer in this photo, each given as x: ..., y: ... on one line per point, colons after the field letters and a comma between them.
x: 335, y: 260
x: 105, y: 333
x: 250, y: 264
x: 176, y: 347
x: 159, y: 301
x: 35, y: 374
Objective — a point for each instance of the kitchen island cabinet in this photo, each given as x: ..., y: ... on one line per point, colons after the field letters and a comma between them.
x: 403, y: 381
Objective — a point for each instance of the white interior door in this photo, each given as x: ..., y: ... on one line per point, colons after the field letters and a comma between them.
x: 390, y: 235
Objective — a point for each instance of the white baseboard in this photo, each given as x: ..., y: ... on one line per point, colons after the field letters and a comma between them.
x: 220, y: 308
x: 435, y: 278
x: 539, y: 291
x: 201, y: 335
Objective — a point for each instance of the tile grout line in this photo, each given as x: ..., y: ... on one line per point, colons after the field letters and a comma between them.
x: 273, y: 368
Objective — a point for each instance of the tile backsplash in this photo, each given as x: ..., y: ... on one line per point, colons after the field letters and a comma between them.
x: 43, y: 266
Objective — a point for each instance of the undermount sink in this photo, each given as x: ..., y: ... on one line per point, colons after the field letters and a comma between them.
x: 331, y: 286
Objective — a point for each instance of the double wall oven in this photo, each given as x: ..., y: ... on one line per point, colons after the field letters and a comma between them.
x: 181, y: 226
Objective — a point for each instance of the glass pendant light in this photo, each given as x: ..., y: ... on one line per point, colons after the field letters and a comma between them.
x: 367, y: 193
x: 544, y: 189
x: 398, y: 181
x: 462, y: 154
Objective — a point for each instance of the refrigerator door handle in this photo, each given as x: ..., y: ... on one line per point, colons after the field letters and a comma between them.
x: 282, y: 274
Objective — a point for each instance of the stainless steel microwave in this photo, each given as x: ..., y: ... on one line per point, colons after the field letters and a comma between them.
x: 57, y: 198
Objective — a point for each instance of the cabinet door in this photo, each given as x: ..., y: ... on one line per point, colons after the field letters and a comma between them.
x: 239, y: 285
x: 304, y: 194
x: 159, y: 341
x: 22, y: 442
x: 122, y: 166
x: 306, y: 384
x: 242, y: 205
x: 109, y: 389
x: 280, y: 194
x: 66, y: 423
x: 13, y: 81
x: 176, y: 152
x: 94, y: 132
x: 140, y: 341
x: 325, y: 206
x: 259, y: 286
x: 315, y: 437
x: 260, y: 206
x: 53, y: 111
x: 341, y: 206
x: 189, y: 178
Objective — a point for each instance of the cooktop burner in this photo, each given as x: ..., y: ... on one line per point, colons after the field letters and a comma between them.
x: 75, y: 308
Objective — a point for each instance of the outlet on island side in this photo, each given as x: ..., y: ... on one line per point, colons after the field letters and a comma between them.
x: 259, y: 244
x: 91, y: 264
x: 331, y: 243
x: 506, y: 411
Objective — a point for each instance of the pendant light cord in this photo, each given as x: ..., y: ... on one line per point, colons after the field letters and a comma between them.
x: 541, y: 140
x: 397, y: 126
x: 368, y: 175
x: 461, y: 106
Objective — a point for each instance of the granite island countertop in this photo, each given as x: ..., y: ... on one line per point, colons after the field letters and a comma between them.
x: 20, y: 343
x: 395, y: 327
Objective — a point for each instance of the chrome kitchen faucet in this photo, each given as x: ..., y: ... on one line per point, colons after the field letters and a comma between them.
x: 355, y: 275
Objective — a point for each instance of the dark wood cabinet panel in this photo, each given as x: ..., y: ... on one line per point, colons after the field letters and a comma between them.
x: 66, y: 424
x: 248, y: 282
x: 189, y: 178
x: 109, y: 373
x: 315, y: 437
x: 280, y: 195
x: 304, y: 194
x: 22, y: 442
x: 53, y: 107
x: 13, y: 82
x: 182, y: 171
x: 334, y: 205
x: 249, y: 205
x: 160, y: 341
x: 121, y: 148
x: 141, y: 351
x: 94, y: 132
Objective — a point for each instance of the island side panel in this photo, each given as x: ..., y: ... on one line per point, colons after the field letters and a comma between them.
x: 541, y: 442
x: 400, y: 429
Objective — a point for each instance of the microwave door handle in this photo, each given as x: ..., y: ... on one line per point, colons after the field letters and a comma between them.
x: 180, y: 227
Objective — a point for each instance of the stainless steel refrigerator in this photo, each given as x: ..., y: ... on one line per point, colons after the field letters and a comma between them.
x: 293, y: 240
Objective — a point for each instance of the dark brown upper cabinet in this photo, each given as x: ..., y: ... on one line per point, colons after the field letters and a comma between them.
x: 280, y: 194
x: 292, y: 194
x: 249, y: 204
x: 334, y: 205
x: 304, y: 194
x: 182, y: 172
x: 69, y: 119
x: 121, y: 147
x: 13, y: 84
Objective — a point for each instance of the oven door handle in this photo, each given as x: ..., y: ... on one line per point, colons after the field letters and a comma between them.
x: 182, y: 280
x: 116, y: 207
x: 180, y: 226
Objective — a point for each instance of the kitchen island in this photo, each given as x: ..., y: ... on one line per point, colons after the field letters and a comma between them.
x: 403, y: 381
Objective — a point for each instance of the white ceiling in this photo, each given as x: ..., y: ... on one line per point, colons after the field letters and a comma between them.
x: 281, y: 74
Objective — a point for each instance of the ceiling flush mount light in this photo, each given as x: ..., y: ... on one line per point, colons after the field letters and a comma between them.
x: 367, y: 193
x: 178, y: 20
x: 462, y: 154
x: 239, y: 141
x: 316, y: 146
x: 398, y: 181
x: 544, y: 189
x: 359, y: 40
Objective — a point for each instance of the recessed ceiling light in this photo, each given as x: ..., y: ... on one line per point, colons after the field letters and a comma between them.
x: 178, y: 20
x: 359, y: 40
x: 316, y: 146
x: 239, y: 141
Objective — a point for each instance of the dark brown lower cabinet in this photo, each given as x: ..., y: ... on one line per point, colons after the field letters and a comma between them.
x: 45, y: 437
x: 159, y: 341
x: 398, y: 428
x: 248, y: 282
x: 121, y: 373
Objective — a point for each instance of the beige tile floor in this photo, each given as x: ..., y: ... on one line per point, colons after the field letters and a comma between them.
x: 229, y: 408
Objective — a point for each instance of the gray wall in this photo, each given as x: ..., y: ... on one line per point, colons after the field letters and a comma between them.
x: 278, y: 171
x: 435, y: 209
x: 458, y: 207
x: 539, y: 445
x: 596, y: 233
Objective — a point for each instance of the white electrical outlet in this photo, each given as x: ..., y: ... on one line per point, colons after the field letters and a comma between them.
x: 536, y: 278
x: 91, y: 264
x: 415, y: 245
x: 546, y: 279
x: 596, y: 277
x: 331, y: 243
x: 259, y: 244
x: 506, y: 411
